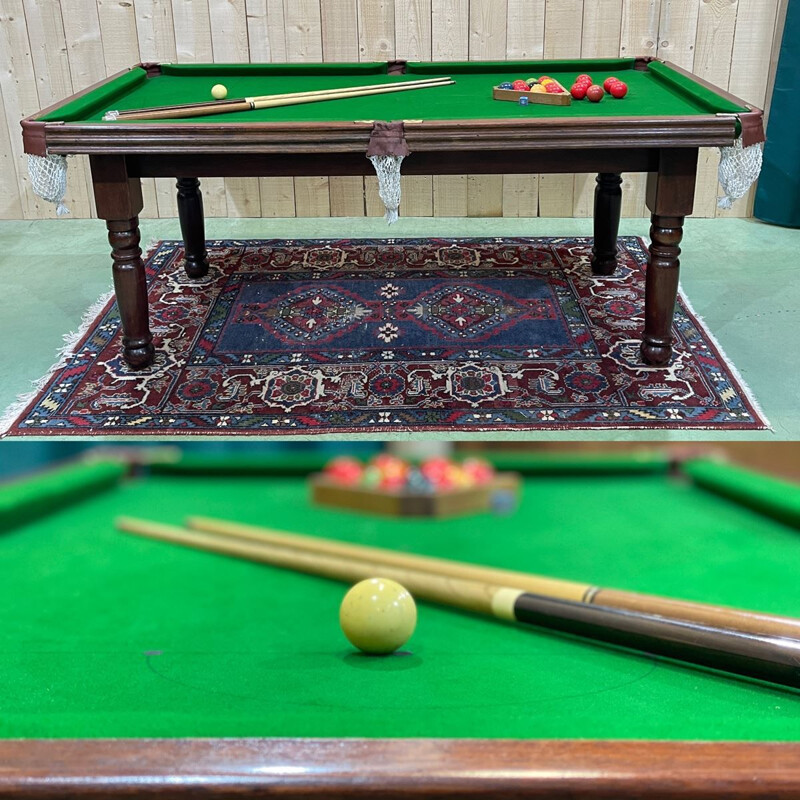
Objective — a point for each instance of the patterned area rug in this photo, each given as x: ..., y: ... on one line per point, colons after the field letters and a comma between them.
x: 367, y: 336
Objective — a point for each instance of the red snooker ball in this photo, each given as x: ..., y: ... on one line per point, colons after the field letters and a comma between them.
x: 595, y: 93
x: 344, y: 470
x: 578, y: 91
x: 481, y: 472
x: 520, y: 86
x: 584, y: 77
x: 609, y: 82
x: 619, y: 90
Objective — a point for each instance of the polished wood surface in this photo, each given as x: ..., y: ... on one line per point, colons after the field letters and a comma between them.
x: 392, y: 769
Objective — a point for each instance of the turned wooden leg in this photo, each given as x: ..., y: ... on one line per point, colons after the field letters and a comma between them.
x: 190, y: 212
x: 130, y: 286
x: 670, y: 194
x: 661, y: 290
x: 607, y: 206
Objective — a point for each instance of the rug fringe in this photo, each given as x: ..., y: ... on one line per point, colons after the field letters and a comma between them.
x: 746, y: 390
x: 63, y: 355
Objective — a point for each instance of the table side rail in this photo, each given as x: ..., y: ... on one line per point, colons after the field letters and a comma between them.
x: 429, y: 135
x: 34, y: 135
x: 389, y: 768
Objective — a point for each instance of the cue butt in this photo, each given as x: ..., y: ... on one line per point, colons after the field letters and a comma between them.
x: 767, y: 658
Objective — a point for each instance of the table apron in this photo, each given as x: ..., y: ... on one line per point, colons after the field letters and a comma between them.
x: 298, y: 139
x: 489, y: 162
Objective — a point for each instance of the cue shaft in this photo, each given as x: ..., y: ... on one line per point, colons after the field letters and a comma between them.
x: 408, y: 84
x: 702, y: 613
x: 767, y: 658
x: 274, y: 102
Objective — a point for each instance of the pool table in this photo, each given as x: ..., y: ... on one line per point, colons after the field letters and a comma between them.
x: 657, y: 128
x: 136, y: 667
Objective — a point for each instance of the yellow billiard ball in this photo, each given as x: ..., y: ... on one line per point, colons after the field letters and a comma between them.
x: 378, y: 615
x: 219, y: 92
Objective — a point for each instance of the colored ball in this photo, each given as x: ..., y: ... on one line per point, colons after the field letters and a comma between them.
x: 219, y: 92
x: 578, y: 91
x: 595, y: 93
x: 344, y: 470
x: 482, y: 471
x: 435, y: 468
x: 619, y: 90
x: 552, y: 88
x: 503, y: 502
x: 609, y: 82
x: 519, y: 86
x: 459, y: 478
x: 417, y: 482
x: 378, y: 615
x: 531, y: 81
x: 584, y: 77
x: 371, y: 476
x: 506, y: 85
x: 392, y: 483
x: 538, y: 88
x: 389, y: 464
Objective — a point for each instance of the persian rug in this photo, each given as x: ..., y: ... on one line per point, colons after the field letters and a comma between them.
x: 373, y: 336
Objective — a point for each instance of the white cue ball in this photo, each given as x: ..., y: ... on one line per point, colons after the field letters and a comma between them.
x: 378, y: 615
x: 219, y: 92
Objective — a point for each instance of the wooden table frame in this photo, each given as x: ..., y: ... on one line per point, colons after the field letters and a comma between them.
x: 397, y: 768
x: 666, y: 148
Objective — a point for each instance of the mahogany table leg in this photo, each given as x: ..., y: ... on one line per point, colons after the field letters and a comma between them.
x: 130, y: 286
x: 661, y: 289
x: 670, y: 196
x: 190, y: 213
x: 607, y: 206
x: 119, y: 201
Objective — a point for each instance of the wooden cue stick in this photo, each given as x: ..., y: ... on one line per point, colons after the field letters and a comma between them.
x: 767, y: 658
x: 266, y: 102
x: 687, y: 611
x: 420, y: 82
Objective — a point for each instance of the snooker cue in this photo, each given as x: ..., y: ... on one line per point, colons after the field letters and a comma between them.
x: 767, y: 658
x: 684, y: 610
x: 268, y: 101
x: 409, y: 84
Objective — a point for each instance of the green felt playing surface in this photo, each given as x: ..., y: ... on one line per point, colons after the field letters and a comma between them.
x: 109, y: 635
x: 659, y: 91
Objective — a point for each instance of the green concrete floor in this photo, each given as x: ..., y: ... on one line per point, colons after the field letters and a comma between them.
x: 739, y: 275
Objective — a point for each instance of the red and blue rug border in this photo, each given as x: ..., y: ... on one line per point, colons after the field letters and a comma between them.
x: 101, y: 325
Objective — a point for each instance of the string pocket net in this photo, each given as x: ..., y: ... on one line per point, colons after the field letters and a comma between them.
x: 739, y: 168
x: 387, y: 168
x: 48, y: 176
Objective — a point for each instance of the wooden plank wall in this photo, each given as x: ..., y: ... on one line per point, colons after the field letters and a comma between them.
x: 50, y: 48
